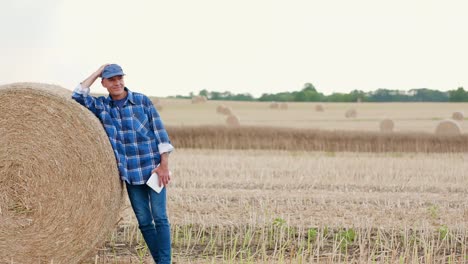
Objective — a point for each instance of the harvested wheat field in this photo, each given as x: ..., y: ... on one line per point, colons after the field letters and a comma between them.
x: 408, y: 117
x: 301, y: 186
x: 268, y: 206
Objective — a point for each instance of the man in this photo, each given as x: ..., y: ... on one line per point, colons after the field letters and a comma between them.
x: 141, y: 147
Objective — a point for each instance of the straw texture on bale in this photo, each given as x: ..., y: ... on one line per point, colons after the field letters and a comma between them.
x: 319, y: 108
x: 60, y: 192
x: 448, y: 127
x: 457, y: 116
x: 387, y: 125
x: 232, y: 121
x: 351, y: 113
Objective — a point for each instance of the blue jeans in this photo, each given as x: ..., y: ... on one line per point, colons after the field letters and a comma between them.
x: 150, y: 210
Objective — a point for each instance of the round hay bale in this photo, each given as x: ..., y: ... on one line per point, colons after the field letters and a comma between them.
x: 283, y: 106
x: 224, y: 110
x: 457, y: 116
x: 351, y: 113
x: 159, y: 107
x: 157, y: 103
x: 60, y: 191
x: 195, y: 99
x: 227, y: 111
x: 220, y: 109
x: 274, y: 105
x: 319, y: 108
x: 232, y: 121
x: 448, y: 127
x: 155, y: 100
x: 199, y: 99
x: 387, y: 125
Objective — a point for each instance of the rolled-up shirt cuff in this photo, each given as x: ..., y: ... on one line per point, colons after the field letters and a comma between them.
x: 165, y: 148
x: 81, y: 90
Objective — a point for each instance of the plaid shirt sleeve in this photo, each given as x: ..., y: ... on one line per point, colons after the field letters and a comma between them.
x: 156, y: 124
x: 81, y: 95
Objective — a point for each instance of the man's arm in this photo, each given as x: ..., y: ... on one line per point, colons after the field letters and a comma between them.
x: 92, y: 78
x: 164, y: 144
x: 81, y: 92
x: 163, y: 170
x: 156, y: 124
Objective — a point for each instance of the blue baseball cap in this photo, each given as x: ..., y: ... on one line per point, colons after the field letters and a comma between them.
x: 111, y: 70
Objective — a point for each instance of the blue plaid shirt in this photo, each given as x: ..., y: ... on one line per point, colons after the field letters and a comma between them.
x: 135, y: 131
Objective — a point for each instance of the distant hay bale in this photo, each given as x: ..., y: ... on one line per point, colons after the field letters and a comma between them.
x: 60, y: 191
x: 199, y: 99
x: 319, y: 108
x: 159, y: 106
x: 351, y: 113
x: 448, y: 127
x: 227, y: 111
x: 276, y: 105
x: 387, y: 125
x: 232, y: 121
x: 220, y: 109
x: 157, y: 103
x: 457, y: 116
x: 224, y: 110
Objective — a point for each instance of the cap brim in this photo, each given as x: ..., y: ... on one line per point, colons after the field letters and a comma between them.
x: 112, y: 75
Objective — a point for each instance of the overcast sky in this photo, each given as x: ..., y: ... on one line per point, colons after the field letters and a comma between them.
x: 243, y: 46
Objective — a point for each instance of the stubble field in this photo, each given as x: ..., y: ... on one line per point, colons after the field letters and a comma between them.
x: 229, y: 205
x: 408, y: 117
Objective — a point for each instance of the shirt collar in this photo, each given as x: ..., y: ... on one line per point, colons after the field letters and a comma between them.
x: 129, y: 97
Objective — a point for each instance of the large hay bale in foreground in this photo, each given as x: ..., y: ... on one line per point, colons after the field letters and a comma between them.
x: 457, y: 116
x: 387, y: 125
x: 60, y: 192
x: 448, y: 127
x: 351, y: 113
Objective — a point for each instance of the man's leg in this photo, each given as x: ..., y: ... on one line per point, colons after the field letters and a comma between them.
x: 163, y: 240
x: 140, y: 199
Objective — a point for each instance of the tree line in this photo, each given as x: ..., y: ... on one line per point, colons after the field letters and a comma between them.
x: 310, y: 94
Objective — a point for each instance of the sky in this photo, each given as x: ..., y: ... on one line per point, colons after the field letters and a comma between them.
x: 243, y: 46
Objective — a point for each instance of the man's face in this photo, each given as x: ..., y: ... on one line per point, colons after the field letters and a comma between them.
x: 115, y: 86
